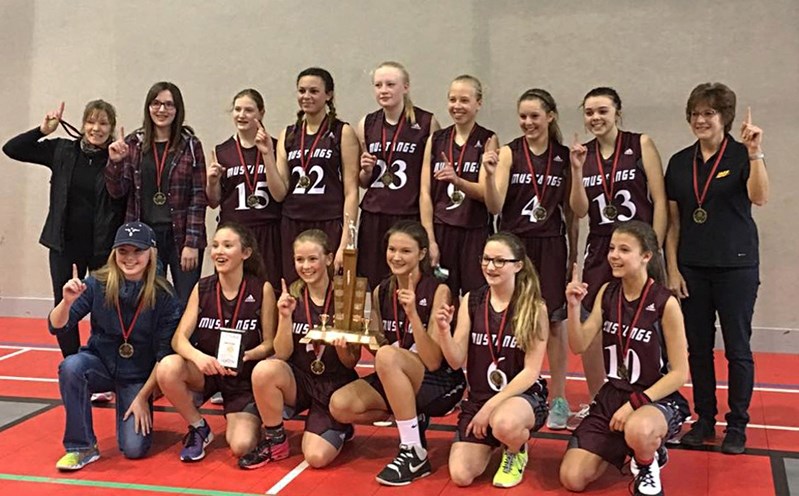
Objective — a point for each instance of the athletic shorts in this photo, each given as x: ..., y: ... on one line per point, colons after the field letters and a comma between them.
x: 290, y: 229
x: 268, y: 237
x: 594, y: 432
x: 372, y: 245
x: 537, y: 401
x: 237, y: 396
x: 596, y: 269
x: 549, y: 256
x: 459, y: 252
x: 313, y: 394
x: 439, y: 393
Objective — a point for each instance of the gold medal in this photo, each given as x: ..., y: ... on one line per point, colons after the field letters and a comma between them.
x: 126, y: 350
x: 700, y: 215
x: 456, y: 197
x: 387, y: 179
x: 498, y: 379
x: 159, y: 198
x: 305, y: 181
x: 252, y: 201
x: 610, y: 212
x: 539, y: 213
x: 318, y: 367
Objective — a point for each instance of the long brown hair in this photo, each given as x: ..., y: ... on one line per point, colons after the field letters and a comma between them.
x: 549, y: 105
x: 112, y: 277
x: 327, y: 80
x: 254, y: 265
x: 526, y: 300
x: 417, y: 232
x: 646, y: 236
x: 318, y: 237
x: 176, y: 127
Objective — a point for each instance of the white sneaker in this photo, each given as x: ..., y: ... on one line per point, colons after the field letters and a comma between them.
x: 217, y: 399
x: 102, y: 397
x: 647, y: 482
x: 577, y: 417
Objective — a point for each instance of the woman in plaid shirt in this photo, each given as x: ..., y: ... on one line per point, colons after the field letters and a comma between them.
x: 161, y: 169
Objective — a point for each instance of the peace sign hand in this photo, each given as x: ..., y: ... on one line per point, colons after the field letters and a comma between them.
x: 263, y: 140
x: 118, y: 150
x: 491, y: 157
x: 74, y: 287
x: 51, y: 120
x: 751, y: 135
x: 577, y: 153
x: 576, y: 289
x: 215, y: 169
x: 286, y: 303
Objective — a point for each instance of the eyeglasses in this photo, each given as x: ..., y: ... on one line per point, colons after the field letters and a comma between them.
x: 706, y: 114
x: 157, y: 104
x: 498, y: 262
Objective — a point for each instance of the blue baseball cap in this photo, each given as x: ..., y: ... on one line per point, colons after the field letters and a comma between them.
x: 137, y: 234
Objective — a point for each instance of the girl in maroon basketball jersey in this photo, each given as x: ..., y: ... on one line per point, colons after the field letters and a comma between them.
x: 317, y: 157
x: 243, y: 180
x: 501, y: 337
x: 452, y: 188
x: 528, y: 183
x: 640, y: 327
x: 393, y: 138
x: 616, y: 177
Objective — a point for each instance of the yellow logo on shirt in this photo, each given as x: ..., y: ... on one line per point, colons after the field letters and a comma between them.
x: 723, y: 173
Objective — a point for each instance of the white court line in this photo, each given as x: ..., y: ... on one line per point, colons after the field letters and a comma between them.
x: 26, y: 379
x: 287, y: 478
x: 16, y: 353
x: 31, y: 348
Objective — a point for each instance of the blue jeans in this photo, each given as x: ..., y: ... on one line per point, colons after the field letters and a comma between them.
x: 79, y: 376
x: 169, y: 257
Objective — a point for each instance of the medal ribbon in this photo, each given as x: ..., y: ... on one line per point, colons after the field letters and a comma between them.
x: 608, y: 186
x: 250, y: 187
x: 126, y: 331
x: 305, y: 159
x: 400, y: 337
x: 451, y: 155
x: 700, y: 199
x: 500, y: 332
x: 543, y: 192
x: 317, y: 348
x: 626, y: 346
x: 388, y: 157
x: 159, y: 164
x: 242, y: 288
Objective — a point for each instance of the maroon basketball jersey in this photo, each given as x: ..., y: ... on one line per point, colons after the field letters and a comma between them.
x: 646, y: 361
x: 509, y: 355
x: 396, y: 329
x: 468, y: 213
x: 304, y: 353
x: 521, y: 201
x: 630, y: 188
x: 401, y: 195
x: 206, y: 335
x: 236, y: 190
x: 323, y: 199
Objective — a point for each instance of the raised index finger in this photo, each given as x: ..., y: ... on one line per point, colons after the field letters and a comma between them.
x: 577, y: 275
x: 61, y: 110
x: 213, y: 156
x: 749, y: 115
x: 75, y: 271
x: 122, y: 133
x: 283, y: 289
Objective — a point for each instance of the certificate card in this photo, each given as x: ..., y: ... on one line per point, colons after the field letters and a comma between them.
x: 229, y: 351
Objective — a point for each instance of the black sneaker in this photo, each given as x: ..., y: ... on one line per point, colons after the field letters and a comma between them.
x: 267, y: 450
x: 424, y: 422
x: 734, y: 442
x: 406, y: 467
x: 647, y: 482
x: 700, y: 432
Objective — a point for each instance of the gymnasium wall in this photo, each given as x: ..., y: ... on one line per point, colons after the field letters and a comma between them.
x: 654, y: 53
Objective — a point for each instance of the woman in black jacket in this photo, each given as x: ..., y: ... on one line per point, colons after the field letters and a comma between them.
x: 82, y: 217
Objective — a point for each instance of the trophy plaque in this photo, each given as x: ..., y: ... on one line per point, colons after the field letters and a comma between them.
x: 349, y: 296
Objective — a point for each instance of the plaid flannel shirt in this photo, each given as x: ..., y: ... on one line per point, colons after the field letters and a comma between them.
x: 185, y: 196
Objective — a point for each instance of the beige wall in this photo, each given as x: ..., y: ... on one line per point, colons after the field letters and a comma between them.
x: 652, y: 52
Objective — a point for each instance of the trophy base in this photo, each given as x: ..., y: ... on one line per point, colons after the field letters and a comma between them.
x: 330, y: 335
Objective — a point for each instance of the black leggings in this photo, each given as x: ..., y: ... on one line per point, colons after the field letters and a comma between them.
x: 61, y: 272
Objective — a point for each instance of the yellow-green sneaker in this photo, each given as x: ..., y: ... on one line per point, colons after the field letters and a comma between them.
x: 511, y: 469
x: 76, y: 460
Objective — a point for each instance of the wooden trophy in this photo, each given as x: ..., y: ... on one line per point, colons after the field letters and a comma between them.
x: 349, y: 296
